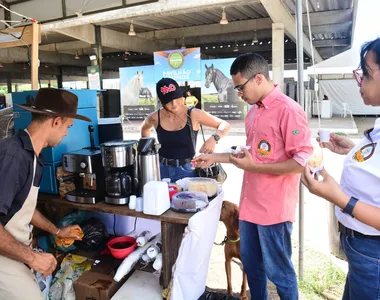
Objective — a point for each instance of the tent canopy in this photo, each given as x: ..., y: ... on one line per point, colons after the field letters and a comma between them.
x: 343, y: 63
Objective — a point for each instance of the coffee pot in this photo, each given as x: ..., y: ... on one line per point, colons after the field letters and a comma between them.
x: 148, y: 161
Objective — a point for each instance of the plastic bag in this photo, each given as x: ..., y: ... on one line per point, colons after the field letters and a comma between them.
x: 217, y: 296
x: 72, y: 267
x: 95, y: 236
x: 77, y: 217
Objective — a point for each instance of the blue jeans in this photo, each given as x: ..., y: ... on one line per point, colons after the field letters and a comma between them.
x: 176, y: 173
x: 363, y: 278
x: 266, y: 254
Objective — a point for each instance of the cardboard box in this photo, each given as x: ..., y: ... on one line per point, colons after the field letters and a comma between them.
x: 98, y: 283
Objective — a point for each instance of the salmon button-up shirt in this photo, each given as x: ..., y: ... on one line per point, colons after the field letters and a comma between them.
x: 277, y: 130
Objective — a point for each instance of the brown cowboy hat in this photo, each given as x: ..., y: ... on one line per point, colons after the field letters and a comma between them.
x: 55, y: 102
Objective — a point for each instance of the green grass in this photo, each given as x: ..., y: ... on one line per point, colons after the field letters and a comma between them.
x: 144, y: 101
x: 322, y: 278
x: 210, y: 98
x: 340, y: 133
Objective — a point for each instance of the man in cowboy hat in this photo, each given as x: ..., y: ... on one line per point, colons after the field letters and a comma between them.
x: 53, y: 112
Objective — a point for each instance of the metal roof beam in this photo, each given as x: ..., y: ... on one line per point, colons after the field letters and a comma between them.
x: 334, y: 18
x: 279, y: 14
x: 161, y: 8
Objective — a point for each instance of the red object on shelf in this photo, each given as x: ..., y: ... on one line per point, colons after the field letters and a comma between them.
x: 121, y: 247
x: 172, y: 191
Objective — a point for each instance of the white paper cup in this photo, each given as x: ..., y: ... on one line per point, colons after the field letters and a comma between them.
x: 324, y: 135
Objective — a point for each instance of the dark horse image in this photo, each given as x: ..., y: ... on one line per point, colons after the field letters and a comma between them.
x: 223, y: 85
x: 146, y: 93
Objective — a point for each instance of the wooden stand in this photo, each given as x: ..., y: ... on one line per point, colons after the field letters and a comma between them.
x: 28, y: 35
x: 173, y: 225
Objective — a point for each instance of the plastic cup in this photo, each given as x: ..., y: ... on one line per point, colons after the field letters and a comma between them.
x: 324, y: 135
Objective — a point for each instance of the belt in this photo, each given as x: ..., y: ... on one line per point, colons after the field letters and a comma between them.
x: 174, y: 162
x: 349, y: 232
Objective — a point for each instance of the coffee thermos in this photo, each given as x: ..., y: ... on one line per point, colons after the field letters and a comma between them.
x: 148, y: 161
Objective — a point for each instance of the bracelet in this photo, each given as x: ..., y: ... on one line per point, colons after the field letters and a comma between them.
x: 350, y: 206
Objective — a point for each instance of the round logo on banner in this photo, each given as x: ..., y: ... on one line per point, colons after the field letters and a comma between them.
x: 176, y: 60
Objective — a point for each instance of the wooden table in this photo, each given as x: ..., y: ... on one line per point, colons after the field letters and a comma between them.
x: 172, y: 226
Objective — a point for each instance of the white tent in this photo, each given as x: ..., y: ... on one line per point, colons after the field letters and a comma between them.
x: 343, y: 63
x: 337, y: 82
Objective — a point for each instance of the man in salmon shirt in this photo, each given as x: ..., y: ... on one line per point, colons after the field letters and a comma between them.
x: 279, y: 136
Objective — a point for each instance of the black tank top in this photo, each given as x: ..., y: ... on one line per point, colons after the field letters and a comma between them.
x: 176, y: 144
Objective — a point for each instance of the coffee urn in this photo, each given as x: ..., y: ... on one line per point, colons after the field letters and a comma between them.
x: 148, y: 161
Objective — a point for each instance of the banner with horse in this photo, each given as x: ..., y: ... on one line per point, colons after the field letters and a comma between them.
x: 137, y: 91
x: 219, y: 97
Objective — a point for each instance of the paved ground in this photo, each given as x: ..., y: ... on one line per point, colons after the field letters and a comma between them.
x: 316, y: 209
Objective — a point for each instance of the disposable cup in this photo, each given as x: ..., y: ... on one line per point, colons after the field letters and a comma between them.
x: 324, y: 135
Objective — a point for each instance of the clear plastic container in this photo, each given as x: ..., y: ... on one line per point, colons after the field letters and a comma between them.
x: 190, y: 202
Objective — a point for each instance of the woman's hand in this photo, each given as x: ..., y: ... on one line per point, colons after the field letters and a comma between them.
x: 208, y: 146
x: 203, y: 161
x: 338, y: 144
x: 328, y: 188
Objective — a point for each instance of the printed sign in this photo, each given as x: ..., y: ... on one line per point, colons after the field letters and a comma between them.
x: 219, y: 97
x: 181, y: 65
x: 137, y: 91
x: 93, y: 77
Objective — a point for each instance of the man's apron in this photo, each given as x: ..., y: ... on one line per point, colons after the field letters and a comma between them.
x: 17, y: 282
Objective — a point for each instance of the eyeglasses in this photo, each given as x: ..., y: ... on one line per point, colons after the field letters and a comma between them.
x: 358, y: 75
x: 240, y: 88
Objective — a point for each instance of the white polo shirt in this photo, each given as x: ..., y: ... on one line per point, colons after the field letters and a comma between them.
x: 361, y: 179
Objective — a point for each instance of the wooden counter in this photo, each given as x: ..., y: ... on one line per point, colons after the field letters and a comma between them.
x: 123, y: 210
x: 173, y: 225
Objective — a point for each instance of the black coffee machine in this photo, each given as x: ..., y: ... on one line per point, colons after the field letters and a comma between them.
x: 120, y: 168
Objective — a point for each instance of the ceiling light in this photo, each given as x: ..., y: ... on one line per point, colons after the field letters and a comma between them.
x: 46, y: 66
x: 236, y: 49
x: 131, y: 29
x: 77, y: 56
x: 244, y: 44
x: 286, y: 40
x: 255, y: 40
x: 206, y: 48
x: 261, y: 43
x: 269, y: 42
x: 93, y: 57
x: 223, y: 20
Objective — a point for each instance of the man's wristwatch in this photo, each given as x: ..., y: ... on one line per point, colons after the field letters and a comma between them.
x: 216, y: 137
x: 350, y: 206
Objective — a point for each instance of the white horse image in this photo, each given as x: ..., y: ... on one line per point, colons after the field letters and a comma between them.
x: 130, y: 93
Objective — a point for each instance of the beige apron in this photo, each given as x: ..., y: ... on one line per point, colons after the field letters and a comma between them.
x: 17, y: 282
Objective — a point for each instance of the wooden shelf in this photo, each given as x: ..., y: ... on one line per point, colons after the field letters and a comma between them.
x: 123, y: 210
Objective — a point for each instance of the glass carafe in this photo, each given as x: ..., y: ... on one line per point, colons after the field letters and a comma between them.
x: 113, y: 185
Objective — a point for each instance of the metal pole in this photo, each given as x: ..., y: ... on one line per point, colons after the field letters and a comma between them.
x: 99, y: 52
x: 301, y: 101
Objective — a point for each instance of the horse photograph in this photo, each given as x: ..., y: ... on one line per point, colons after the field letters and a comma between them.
x: 223, y: 85
x: 130, y: 92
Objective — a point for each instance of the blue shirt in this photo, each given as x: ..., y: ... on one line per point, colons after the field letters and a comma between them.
x: 16, y: 173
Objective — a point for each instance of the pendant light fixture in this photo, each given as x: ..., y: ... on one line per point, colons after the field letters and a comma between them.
x: 131, y: 29
x: 224, y: 20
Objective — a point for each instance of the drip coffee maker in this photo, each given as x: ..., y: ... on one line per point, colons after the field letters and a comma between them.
x: 120, y: 168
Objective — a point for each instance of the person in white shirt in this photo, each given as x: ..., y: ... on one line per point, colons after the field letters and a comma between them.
x: 357, y: 198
